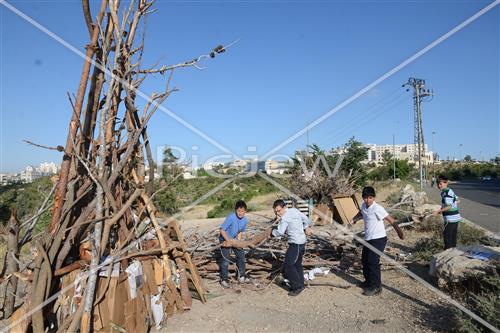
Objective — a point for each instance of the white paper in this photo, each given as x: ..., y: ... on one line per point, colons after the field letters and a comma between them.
x: 135, y: 277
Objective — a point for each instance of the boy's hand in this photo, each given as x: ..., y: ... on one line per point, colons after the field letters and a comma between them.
x: 308, y: 231
x: 436, y: 213
x: 398, y: 231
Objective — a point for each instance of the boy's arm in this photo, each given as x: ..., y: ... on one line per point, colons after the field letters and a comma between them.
x: 280, y: 230
x: 306, y: 224
x: 439, y: 211
x: 224, y: 235
x: 356, y: 218
x: 393, y: 223
x: 224, y: 226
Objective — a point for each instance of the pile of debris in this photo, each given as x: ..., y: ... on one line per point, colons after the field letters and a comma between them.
x: 326, y: 248
x: 106, y: 262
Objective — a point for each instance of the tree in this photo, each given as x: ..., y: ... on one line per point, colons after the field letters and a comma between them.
x: 403, y: 169
x: 171, y: 170
x: 355, y: 153
x: 387, y: 157
x: 467, y: 158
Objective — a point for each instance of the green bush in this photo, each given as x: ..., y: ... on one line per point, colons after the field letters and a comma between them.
x: 469, y: 235
x: 482, y: 297
x: 432, y: 224
x: 425, y: 248
x: 393, y: 198
x: 25, y: 198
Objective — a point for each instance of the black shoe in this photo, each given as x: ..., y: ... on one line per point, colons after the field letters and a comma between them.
x: 372, y: 291
x: 296, y: 292
x: 363, y: 285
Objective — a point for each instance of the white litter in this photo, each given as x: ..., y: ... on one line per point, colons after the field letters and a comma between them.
x: 311, y: 275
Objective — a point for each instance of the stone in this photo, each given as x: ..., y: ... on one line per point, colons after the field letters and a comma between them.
x: 425, y: 209
x: 453, y: 266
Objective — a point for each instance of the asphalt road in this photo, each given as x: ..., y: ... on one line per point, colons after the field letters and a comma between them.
x: 479, y: 202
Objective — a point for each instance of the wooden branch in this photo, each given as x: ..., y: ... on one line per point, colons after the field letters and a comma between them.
x: 58, y: 148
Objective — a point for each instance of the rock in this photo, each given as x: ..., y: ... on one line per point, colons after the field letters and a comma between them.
x: 425, y: 209
x: 452, y: 266
x: 417, y: 198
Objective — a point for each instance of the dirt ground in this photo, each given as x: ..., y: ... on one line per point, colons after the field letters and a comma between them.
x: 404, y: 304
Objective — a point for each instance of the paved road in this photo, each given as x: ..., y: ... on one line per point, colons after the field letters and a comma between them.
x: 479, y: 202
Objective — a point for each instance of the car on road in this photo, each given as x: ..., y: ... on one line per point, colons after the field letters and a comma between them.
x: 486, y: 178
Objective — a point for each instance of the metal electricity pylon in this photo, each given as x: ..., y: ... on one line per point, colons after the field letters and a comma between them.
x: 419, y: 93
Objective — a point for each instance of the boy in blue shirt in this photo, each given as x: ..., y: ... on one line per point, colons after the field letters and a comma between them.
x: 233, y: 228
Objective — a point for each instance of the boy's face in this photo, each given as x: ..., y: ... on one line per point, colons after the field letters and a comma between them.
x: 368, y: 200
x: 279, y: 210
x: 240, y: 212
x: 442, y: 184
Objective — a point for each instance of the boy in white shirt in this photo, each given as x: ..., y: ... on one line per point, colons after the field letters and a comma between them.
x: 374, y: 216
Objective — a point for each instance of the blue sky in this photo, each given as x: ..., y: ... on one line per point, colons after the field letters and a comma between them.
x: 294, y: 62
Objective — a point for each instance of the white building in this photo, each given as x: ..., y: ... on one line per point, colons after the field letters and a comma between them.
x: 211, y: 165
x: 239, y: 163
x: 30, y: 173
x: 49, y: 168
x: 273, y: 166
x: 401, y: 152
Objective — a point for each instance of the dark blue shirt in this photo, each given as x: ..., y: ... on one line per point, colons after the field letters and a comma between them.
x: 233, y: 225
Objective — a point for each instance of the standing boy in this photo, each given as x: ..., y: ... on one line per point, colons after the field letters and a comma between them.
x: 233, y: 228
x: 374, y: 216
x: 296, y: 225
x: 449, y: 209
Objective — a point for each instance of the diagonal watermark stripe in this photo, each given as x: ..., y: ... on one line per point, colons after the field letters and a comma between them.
x: 384, y: 77
x: 405, y: 270
x: 116, y: 255
x: 75, y: 50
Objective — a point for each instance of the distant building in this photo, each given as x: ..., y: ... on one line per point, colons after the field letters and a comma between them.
x: 275, y: 167
x: 49, y: 168
x: 239, y: 163
x: 401, y: 152
x: 212, y: 165
x: 375, y: 153
x: 30, y: 173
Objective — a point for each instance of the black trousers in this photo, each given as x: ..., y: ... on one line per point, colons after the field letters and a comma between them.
x: 292, y: 267
x: 371, y: 262
x: 450, y: 235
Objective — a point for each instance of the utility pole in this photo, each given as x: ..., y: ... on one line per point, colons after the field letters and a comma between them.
x: 419, y: 93
x: 433, y: 154
x: 394, y: 156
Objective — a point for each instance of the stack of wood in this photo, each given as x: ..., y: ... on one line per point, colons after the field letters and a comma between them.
x: 265, y: 255
x: 107, y: 261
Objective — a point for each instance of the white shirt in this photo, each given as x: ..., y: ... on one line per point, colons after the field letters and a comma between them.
x: 374, y: 220
x: 293, y: 222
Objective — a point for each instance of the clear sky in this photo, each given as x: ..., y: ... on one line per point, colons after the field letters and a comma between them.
x: 295, y: 61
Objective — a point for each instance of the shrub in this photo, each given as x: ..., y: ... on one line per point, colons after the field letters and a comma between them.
x: 469, y: 235
x: 425, y: 248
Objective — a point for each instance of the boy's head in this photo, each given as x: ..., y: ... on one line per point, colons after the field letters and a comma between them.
x: 442, y: 182
x: 279, y: 207
x: 368, y: 195
x: 240, y: 208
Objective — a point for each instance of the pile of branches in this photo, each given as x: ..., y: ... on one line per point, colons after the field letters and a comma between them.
x: 103, y: 213
x: 319, y: 177
x: 265, y: 255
